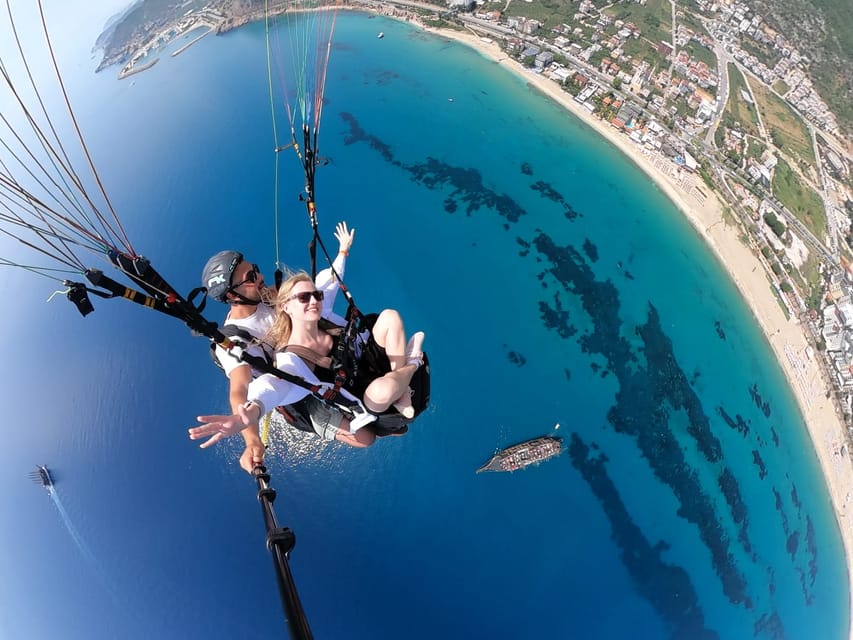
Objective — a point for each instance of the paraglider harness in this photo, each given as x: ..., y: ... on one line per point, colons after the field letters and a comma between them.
x: 162, y: 297
x: 342, y: 368
x: 296, y: 414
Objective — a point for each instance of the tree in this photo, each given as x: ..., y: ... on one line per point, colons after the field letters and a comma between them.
x: 775, y: 224
x: 815, y: 297
x: 776, y: 137
x: 617, y: 82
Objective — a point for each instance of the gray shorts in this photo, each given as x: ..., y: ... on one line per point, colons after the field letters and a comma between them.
x: 326, y: 420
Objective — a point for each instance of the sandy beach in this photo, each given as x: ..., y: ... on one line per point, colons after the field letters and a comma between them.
x: 705, y: 212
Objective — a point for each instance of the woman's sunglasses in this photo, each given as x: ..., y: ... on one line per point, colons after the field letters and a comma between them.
x: 306, y: 296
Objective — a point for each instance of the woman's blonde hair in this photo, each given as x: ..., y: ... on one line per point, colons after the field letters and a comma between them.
x: 279, y: 333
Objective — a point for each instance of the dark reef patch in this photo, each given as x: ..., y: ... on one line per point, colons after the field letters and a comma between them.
x: 769, y: 626
x: 795, y: 497
x: 525, y: 247
x: 550, y: 193
x: 666, y: 586
x: 737, y: 423
x: 811, y: 547
x: 385, y: 77
x: 759, y: 462
x: 516, y: 358
x: 792, y: 543
x: 807, y: 597
x: 719, y: 329
x: 780, y: 509
x: 731, y: 492
x: 526, y: 169
x: 357, y: 134
x: 793, y: 546
x: 467, y: 184
x: 468, y: 187
x: 628, y: 275
x: 590, y: 250
x: 759, y: 401
x: 556, y: 318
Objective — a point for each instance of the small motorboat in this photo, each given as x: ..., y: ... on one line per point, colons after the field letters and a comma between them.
x: 41, y: 475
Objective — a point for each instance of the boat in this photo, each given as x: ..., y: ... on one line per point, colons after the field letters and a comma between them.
x: 380, y: 35
x: 41, y: 475
x: 524, y: 454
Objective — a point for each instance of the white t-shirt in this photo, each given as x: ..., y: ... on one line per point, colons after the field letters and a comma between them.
x: 258, y: 325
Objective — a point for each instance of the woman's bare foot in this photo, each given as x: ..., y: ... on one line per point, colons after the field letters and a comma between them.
x: 403, y: 405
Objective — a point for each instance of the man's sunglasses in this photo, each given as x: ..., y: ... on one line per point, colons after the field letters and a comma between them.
x: 251, y: 276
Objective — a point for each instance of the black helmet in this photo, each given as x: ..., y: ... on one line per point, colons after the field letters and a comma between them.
x: 216, y: 277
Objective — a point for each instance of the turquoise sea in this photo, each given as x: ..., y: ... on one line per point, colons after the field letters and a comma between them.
x: 556, y: 286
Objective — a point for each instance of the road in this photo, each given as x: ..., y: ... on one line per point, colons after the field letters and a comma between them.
x: 672, y: 31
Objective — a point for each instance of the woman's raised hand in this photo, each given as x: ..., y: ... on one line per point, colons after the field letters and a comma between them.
x: 345, y: 237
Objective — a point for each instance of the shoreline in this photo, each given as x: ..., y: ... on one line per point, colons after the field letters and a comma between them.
x: 705, y: 213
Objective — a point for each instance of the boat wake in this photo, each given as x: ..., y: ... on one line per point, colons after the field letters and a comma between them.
x: 131, y: 612
x: 84, y: 549
x: 88, y: 556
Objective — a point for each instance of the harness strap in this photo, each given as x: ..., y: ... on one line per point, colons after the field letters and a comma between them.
x: 239, y: 334
x: 314, y: 359
x: 331, y: 394
x: 309, y: 355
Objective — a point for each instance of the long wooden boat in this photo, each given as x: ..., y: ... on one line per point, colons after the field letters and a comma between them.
x: 524, y: 454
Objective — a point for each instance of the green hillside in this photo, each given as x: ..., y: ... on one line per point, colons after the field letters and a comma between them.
x: 823, y: 31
